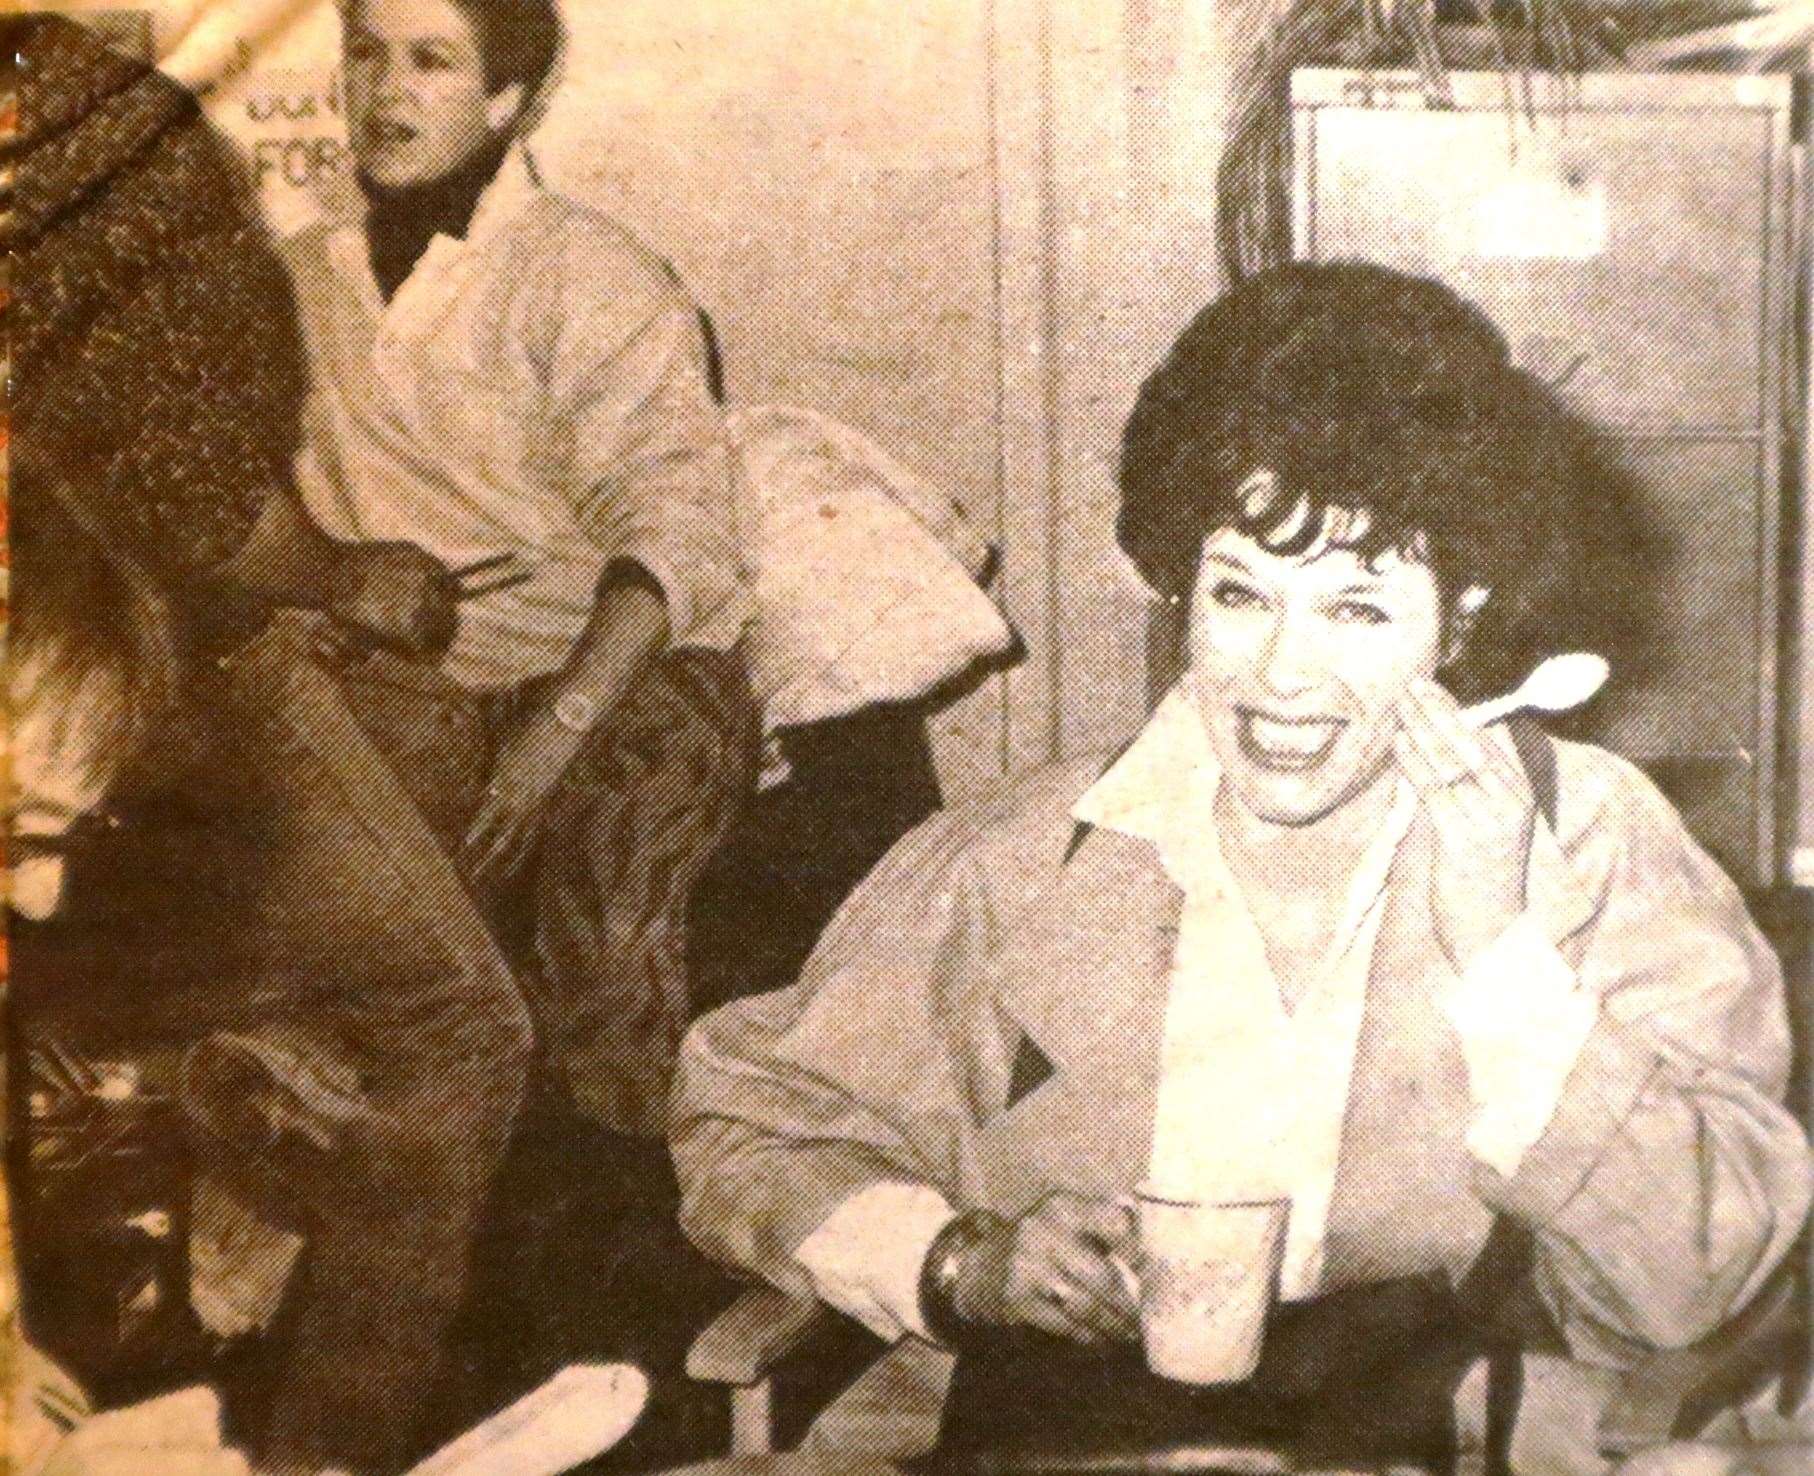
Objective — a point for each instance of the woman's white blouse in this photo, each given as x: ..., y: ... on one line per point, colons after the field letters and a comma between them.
x: 1274, y: 1081
x: 537, y: 388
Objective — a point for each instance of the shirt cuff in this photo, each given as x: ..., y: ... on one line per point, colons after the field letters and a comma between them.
x: 708, y: 619
x: 1523, y: 1019
x: 865, y: 1257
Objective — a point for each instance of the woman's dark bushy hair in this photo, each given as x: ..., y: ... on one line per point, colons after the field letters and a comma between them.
x: 518, y: 41
x: 1363, y: 388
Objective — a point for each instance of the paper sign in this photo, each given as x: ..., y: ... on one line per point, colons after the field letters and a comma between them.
x: 1541, y: 211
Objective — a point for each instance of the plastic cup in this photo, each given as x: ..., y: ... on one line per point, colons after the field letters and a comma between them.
x: 1208, y: 1275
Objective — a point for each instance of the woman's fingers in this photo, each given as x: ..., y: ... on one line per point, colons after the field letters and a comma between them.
x: 1090, y: 1287
x: 1048, y: 1314
x: 1107, y: 1223
x: 1436, y: 786
x: 1471, y: 786
x: 1414, y: 762
x: 1063, y: 1271
x: 1048, y: 1299
x: 1105, y: 1310
x: 1101, y: 1230
x: 1429, y: 717
x: 1505, y: 765
x: 1461, y: 811
x: 1445, y: 752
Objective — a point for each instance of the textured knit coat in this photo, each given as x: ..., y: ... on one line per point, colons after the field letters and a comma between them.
x: 157, y: 371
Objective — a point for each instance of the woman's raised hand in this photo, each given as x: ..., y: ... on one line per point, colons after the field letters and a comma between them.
x: 1479, y: 799
x: 1054, y: 1269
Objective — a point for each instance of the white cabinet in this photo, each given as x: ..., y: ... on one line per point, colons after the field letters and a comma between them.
x: 1635, y: 236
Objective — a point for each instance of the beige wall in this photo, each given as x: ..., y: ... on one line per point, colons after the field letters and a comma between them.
x: 1139, y: 108
x: 821, y: 173
x: 967, y: 226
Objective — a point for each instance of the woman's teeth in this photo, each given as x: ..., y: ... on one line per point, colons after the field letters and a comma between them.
x: 1288, y: 743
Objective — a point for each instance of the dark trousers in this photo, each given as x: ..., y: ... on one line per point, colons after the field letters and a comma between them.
x: 856, y: 785
x: 289, y: 887
x: 1360, y: 1377
x: 597, y: 921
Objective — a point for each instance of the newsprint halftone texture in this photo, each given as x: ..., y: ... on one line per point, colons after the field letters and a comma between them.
x: 771, y: 737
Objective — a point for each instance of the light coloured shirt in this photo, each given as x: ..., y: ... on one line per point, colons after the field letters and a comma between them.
x: 983, y: 1021
x: 1275, y: 1081
x: 537, y: 388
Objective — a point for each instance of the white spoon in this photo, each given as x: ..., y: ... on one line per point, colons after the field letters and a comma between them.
x: 1556, y: 684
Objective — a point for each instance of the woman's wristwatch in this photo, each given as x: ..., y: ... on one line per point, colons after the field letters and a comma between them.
x: 943, y: 1265
x: 576, y: 712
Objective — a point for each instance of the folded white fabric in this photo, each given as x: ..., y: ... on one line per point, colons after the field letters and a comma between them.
x: 865, y: 573
x: 581, y: 1412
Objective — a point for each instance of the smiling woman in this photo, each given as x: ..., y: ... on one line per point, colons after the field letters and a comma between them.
x: 1298, y: 662
x: 1305, y: 939
x: 1457, y: 461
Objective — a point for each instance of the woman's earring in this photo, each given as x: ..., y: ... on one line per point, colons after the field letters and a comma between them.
x: 505, y: 107
x: 1468, y: 606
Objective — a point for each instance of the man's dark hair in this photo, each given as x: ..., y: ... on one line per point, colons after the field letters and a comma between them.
x: 1365, y: 389
x: 519, y: 41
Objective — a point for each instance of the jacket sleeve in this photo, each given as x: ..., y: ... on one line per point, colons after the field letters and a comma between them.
x: 787, y: 1105
x: 652, y: 471
x: 167, y: 369
x: 1670, y: 1180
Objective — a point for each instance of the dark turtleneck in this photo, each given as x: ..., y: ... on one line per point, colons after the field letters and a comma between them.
x: 403, y: 221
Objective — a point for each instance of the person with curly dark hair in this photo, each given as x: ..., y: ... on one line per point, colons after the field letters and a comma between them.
x: 1389, y: 393
x: 1471, y: 1004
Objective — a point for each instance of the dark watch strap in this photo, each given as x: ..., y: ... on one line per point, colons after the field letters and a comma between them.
x: 939, y: 1272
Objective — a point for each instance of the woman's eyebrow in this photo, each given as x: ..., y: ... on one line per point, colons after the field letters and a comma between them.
x: 1229, y: 561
